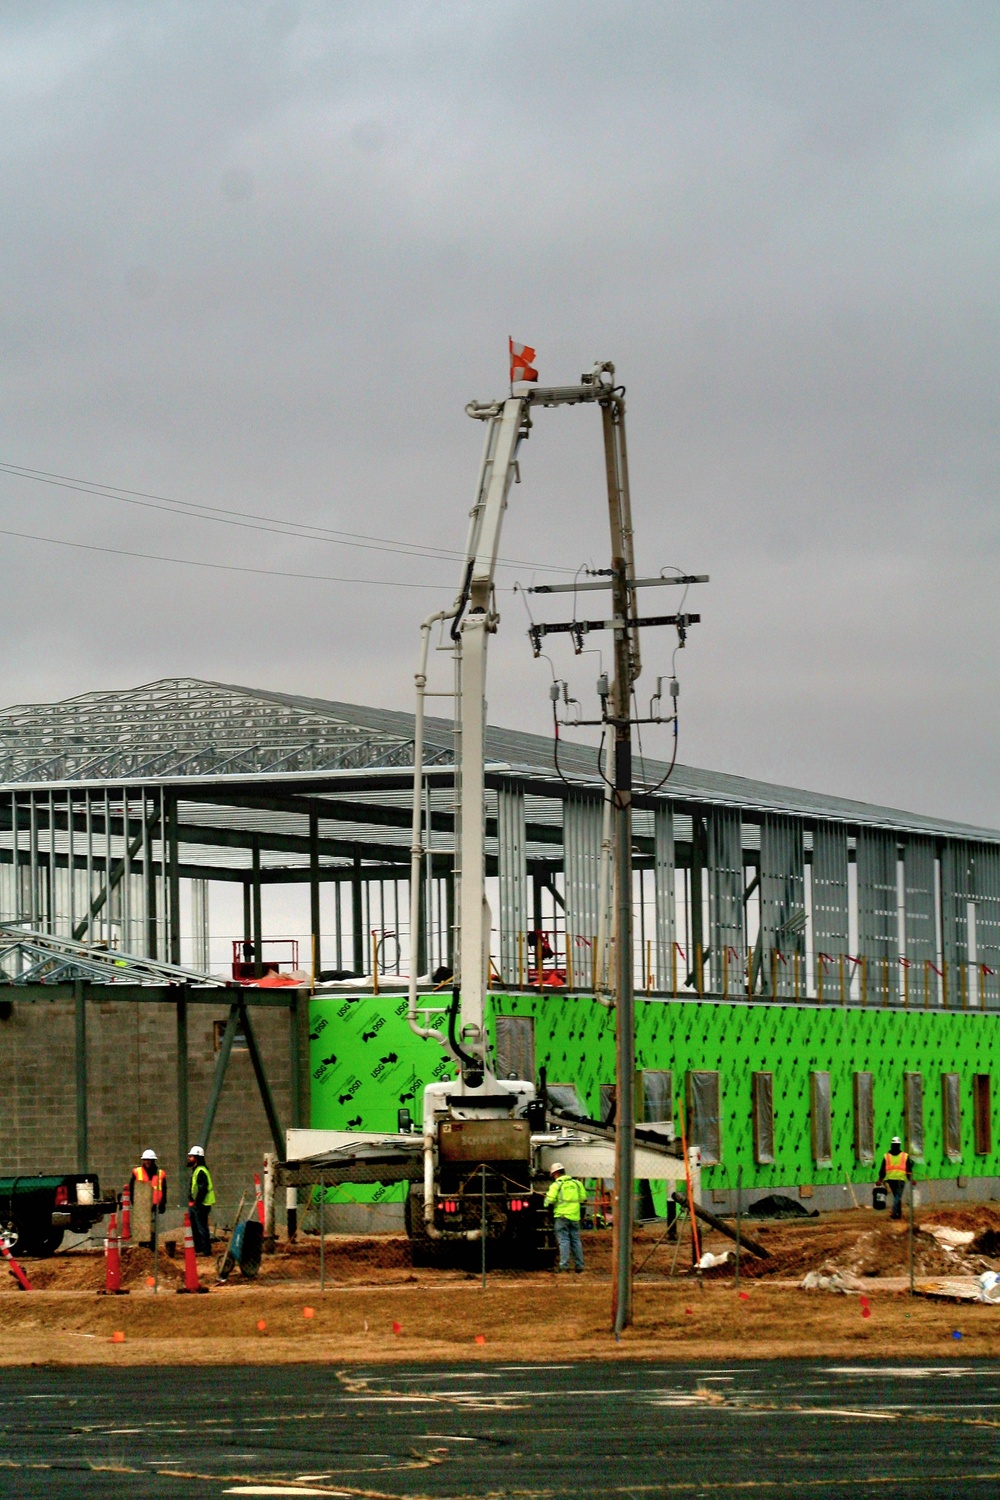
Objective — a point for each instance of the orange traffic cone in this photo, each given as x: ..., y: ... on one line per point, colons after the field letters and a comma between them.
x: 191, y: 1282
x: 127, y: 1214
x: 15, y: 1269
x: 113, y: 1262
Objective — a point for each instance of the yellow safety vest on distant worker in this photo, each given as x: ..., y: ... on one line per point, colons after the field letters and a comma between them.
x: 210, y: 1193
x: 565, y: 1197
x: 896, y: 1167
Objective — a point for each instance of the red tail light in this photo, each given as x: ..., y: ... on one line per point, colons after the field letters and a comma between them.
x: 448, y: 1206
x: 519, y: 1204
x: 62, y: 1195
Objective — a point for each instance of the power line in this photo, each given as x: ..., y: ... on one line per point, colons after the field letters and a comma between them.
x: 190, y: 562
x: 249, y: 520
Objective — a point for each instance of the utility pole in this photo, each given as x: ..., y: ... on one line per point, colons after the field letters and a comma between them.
x: 617, y: 720
x: 627, y: 667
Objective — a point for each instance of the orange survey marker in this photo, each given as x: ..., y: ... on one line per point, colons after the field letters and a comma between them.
x: 191, y: 1282
x: 260, y: 1196
x: 127, y: 1214
x: 14, y: 1268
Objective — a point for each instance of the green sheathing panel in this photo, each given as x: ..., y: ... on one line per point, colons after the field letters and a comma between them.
x: 366, y: 1063
x: 574, y: 1038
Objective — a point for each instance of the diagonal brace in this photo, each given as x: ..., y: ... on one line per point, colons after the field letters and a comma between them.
x: 265, y: 1088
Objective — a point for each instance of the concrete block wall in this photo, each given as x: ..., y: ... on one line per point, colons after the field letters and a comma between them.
x: 132, y: 1091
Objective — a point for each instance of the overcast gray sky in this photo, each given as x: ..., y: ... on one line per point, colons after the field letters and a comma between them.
x: 259, y: 256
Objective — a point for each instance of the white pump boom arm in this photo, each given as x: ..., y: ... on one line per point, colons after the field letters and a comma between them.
x: 473, y: 619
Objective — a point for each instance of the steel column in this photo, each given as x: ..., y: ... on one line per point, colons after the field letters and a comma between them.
x: 80, y: 1059
x: 357, y: 913
x: 174, y: 901
x: 315, y: 922
x: 258, y: 937
x: 183, y: 1111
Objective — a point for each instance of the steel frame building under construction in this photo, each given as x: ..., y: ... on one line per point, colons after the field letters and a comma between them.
x: 118, y: 810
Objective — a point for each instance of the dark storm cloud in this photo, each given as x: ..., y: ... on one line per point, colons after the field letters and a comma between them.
x: 260, y: 256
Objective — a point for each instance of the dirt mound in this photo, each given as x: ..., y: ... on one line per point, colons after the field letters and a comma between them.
x: 867, y: 1244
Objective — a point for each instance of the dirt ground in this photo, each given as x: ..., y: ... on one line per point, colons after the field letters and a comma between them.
x: 377, y: 1307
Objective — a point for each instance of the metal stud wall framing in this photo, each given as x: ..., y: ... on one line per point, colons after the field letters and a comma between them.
x: 664, y: 884
x: 956, y: 893
x: 920, y: 921
x: 782, y: 906
x: 513, y: 877
x: 582, y: 822
x: 878, y: 915
x: 830, y: 899
x: 987, y: 987
x: 727, y: 955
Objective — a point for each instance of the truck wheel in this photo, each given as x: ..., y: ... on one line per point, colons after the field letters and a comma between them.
x: 37, y: 1241
x: 423, y: 1251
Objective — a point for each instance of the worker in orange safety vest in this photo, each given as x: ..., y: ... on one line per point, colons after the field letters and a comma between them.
x: 150, y: 1171
x: 896, y: 1169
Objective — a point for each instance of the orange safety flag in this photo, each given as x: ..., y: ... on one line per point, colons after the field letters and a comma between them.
x: 521, y: 367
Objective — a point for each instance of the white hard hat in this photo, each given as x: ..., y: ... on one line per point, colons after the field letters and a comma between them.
x: 556, y: 1166
x: 895, y: 1141
x: 196, y: 1151
x: 149, y: 1156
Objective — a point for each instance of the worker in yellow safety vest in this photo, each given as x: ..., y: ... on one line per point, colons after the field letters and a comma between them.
x: 201, y: 1197
x: 896, y: 1169
x: 566, y: 1198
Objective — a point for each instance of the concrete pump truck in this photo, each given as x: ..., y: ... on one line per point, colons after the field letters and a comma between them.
x: 480, y: 1168
x: 488, y: 1141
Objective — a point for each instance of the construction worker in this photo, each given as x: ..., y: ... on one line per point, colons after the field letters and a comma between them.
x: 566, y: 1197
x: 149, y: 1170
x: 201, y: 1196
x: 896, y: 1168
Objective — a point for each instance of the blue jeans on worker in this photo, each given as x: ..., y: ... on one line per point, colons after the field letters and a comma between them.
x: 199, y: 1229
x: 897, y: 1199
x: 568, y: 1240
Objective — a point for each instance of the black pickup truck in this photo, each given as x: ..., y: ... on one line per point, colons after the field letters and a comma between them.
x: 36, y: 1211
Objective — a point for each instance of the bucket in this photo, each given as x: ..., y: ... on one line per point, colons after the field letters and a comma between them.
x: 878, y: 1196
x: 85, y: 1192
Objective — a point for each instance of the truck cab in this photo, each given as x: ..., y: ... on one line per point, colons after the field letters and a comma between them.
x: 36, y: 1209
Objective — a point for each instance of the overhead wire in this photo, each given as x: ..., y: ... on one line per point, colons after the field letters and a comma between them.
x: 250, y: 520
x: 191, y: 562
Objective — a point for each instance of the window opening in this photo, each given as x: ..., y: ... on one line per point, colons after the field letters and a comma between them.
x: 982, y: 1108
x: 951, y: 1116
x: 822, y: 1129
x: 763, y: 1118
x: 704, y: 1116
x: 913, y: 1110
x: 864, y: 1117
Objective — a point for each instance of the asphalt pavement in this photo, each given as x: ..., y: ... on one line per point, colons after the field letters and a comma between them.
x: 788, y: 1428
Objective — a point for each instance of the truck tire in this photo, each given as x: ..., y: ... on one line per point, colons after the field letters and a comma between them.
x: 423, y: 1250
x: 38, y: 1241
